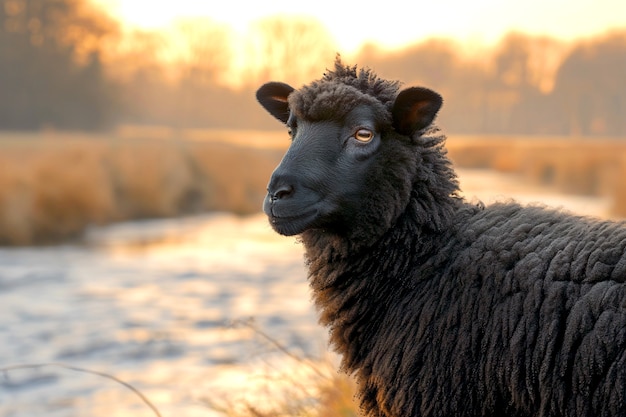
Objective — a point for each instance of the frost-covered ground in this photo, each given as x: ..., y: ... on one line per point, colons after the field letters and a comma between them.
x: 153, y: 303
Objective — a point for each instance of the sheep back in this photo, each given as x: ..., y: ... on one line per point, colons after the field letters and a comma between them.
x: 517, y: 311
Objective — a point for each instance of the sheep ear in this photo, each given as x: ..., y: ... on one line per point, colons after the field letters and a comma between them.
x: 273, y: 97
x: 414, y: 109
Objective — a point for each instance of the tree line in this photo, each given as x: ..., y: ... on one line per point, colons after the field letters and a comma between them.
x: 67, y: 65
x: 51, y: 74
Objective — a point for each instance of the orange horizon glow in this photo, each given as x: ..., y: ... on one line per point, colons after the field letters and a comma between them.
x: 396, y: 23
x: 473, y: 27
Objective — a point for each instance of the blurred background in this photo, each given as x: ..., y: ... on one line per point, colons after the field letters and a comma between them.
x: 134, y: 158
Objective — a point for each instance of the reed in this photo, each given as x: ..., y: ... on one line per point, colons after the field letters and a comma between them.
x: 569, y: 165
x: 54, y: 185
x: 53, y: 188
x: 309, y: 387
x: 619, y: 191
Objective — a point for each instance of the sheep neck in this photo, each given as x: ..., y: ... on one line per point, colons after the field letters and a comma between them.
x: 354, y: 281
x: 353, y: 286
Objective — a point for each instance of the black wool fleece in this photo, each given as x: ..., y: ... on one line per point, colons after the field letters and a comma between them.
x: 439, y: 307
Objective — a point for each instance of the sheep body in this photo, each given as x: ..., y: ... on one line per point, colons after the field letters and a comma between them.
x: 521, y: 320
x: 437, y: 306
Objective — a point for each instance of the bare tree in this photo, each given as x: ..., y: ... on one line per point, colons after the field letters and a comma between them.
x: 290, y: 49
x: 51, y: 73
x: 204, y: 50
x: 591, y: 87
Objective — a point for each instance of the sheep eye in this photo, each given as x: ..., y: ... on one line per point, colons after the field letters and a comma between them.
x: 364, y: 135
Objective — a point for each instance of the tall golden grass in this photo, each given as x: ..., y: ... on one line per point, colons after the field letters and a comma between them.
x: 53, y: 185
x: 594, y: 167
x: 619, y: 192
x: 329, y: 394
x: 304, y: 387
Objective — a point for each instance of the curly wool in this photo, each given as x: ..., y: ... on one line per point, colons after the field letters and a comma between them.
x: 443, y: 308
x: 516, y: 311
x: 341, y: 90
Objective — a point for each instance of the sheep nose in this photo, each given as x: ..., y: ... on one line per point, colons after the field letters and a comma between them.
x: 280, y: 192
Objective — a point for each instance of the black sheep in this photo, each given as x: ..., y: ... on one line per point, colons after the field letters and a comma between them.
x: 437, y: 306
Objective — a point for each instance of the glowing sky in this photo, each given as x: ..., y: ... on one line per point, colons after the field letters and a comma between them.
x: 393, y: 23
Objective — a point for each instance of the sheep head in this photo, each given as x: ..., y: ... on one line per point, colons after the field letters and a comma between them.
x: 347, y: 170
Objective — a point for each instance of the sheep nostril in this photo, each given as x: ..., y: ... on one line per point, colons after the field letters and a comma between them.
x: 281, y: 192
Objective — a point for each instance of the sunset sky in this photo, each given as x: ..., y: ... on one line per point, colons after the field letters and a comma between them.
x: 393, y: 23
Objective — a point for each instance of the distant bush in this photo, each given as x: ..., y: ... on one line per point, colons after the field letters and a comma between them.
x: 619, y: 192
x: 576, y: 166
x: 52, y: 188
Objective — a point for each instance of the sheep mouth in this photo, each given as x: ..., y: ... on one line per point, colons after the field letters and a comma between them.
x: 293, y: 225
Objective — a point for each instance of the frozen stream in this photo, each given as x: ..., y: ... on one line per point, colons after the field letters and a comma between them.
x: 153, y: 303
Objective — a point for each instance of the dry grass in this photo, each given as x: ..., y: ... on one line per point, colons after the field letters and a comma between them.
x: 303, y: 388
x: 53, y: 186
x: 332, y: 395
x: 619, y: 191
x: 576, y: 166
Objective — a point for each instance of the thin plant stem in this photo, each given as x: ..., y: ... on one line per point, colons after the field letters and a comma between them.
x: 88, y: 371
